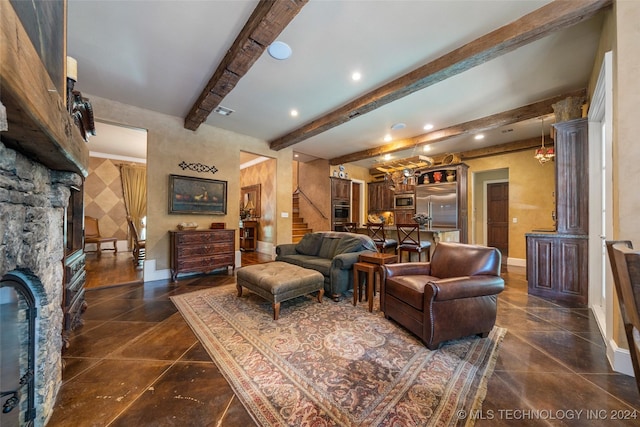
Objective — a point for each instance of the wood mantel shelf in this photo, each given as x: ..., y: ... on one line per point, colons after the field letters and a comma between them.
x: 40, y: 126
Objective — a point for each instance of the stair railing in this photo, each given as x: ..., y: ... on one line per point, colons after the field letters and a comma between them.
x: 299, y: 191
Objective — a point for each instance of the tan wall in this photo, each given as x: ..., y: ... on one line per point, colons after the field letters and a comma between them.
x: 169, y: 143
x: 314, y: 182
x: 103, y: 197
x: 264, y: 174
x: 531, y: 189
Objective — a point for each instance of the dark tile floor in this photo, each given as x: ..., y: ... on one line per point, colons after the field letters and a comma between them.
x: 135, y: 362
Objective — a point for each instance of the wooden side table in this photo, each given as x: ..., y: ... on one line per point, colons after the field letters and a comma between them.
x: 370, y: 264
x: 369, y: 282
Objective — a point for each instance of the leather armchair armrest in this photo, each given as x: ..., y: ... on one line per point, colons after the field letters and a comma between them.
x: 407, y: 269
x: 464, y: 287
x: 286, y: 249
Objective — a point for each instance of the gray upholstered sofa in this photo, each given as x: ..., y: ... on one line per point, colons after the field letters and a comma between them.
x: 332, y: 253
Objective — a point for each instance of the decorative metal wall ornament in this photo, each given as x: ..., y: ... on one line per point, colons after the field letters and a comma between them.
x: 198, y: 167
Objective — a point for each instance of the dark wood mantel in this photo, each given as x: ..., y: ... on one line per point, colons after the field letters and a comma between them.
x: 40, y: 126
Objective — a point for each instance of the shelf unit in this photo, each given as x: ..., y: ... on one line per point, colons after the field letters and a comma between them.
x: 249, y: 236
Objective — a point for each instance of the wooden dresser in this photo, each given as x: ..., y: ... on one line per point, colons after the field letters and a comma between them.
x: 201, y: 251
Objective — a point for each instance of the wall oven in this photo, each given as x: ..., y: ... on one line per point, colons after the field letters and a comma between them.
x: 340, y: 213
x: 404, y: 201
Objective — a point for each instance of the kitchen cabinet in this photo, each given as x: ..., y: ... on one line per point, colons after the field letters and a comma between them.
x: 404, y: 216
x: 380, y: 197
x: 340, y: 189
x: 201, y: 250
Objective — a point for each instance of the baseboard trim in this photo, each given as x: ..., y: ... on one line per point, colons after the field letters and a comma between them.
x: 517, y: 262
x: 619, y: 359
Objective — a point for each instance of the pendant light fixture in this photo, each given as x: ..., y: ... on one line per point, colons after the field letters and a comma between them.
x: 543, y: 154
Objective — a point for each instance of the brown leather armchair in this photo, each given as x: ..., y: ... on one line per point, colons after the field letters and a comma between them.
x: 452, y: 296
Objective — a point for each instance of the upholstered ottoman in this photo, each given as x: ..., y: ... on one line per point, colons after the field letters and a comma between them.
x: 279, y: 281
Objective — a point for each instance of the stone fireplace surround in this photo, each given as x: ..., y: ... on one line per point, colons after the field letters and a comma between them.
x: 33, y: 200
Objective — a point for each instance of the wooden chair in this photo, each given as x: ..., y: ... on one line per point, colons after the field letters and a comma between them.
x: 379, y: 236
x: 139, y: 250
x: 625, y: 266
x: 350, y: 227
x: 408, y: 243
x: 92, y: 235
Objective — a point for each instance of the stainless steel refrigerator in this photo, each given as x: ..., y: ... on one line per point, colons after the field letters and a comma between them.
x: 440, y: 203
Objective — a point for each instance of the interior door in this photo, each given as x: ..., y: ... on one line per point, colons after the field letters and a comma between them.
x: 498, y: 217
x: 355, y: 202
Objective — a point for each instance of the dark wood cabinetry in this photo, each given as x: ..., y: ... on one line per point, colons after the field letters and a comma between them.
x: 557, y: 263
x: 380, y: 197
x: 404, y: 216
x: 557, y: 267
x: 249, y: 236
x: 340, y: 189
x: 201, y: 251
x: 572, y: 176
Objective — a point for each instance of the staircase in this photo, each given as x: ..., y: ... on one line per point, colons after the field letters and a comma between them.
x: 299, y: 227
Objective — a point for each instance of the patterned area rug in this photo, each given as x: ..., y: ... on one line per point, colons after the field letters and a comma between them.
x: 333, y: 364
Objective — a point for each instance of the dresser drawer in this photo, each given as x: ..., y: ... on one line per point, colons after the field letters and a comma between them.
x: 206, y: 263
x: 204, y: 249
x: 204, y: 237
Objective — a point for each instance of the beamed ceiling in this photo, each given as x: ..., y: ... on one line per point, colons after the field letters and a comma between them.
x: 491, y: 67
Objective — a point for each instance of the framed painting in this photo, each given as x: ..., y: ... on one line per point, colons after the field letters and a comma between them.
x: 189, y: 195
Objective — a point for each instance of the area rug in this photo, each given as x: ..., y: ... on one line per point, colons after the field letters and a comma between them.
x: 333, y: 364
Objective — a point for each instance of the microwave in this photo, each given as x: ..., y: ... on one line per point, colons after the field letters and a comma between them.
x: 404, y: 201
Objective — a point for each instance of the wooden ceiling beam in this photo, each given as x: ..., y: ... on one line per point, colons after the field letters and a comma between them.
x: 266, y: 22
x: 531, y: 27
x: 482, y: 124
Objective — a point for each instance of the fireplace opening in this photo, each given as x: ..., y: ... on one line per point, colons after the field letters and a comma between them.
x: 17, y: 350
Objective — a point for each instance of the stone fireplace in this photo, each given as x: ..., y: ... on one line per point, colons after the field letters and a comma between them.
x: 33, y: 245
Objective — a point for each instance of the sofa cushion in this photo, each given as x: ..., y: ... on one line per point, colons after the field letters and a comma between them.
x: 322, y: 265
x: 309, y: 244
x: 328, y: 247
x: 297, y: 259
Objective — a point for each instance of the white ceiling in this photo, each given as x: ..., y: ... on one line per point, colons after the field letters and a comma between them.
x: 159, y: 55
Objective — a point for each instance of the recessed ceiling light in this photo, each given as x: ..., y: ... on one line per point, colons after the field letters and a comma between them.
x: 426, y: 148
x: 279, y: 50
x: 398, y: 126
x: 428, y: 126
x: 479, y: 136
x: 356, y: 76
x: 387, y: 138
x: 223, y: 111
x: 294, y: 113
x: 387, y: 156
x: 296, y: 155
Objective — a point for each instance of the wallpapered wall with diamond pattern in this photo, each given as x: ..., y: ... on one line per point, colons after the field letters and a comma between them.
x: 263, y: 173
x: 103, y: 197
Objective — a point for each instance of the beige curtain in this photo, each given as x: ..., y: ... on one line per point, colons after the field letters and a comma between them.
x: 134, y: 190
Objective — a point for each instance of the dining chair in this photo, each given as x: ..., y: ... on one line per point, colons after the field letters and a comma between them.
x: 92, y: 235
x: 350, y: 227
x: 377, y: 233
x: 139, y: 246
x: 625, y: 266
x: 409, y: 241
